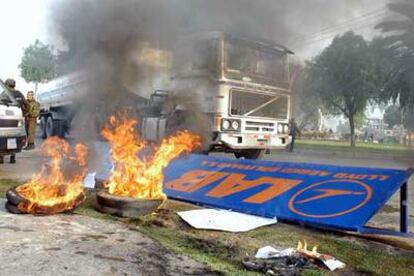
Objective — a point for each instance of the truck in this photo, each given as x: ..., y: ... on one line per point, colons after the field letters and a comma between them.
x: 12, y: 130
x: 234, y: 91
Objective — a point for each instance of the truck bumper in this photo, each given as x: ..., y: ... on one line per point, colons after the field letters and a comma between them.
x: 11, y: 144
x: 254, y: 141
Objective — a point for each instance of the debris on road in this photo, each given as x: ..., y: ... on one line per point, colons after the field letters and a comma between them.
x: 289, y: 261
x: 224, y: 220
x: 328, y: 260
x: 89, y: 181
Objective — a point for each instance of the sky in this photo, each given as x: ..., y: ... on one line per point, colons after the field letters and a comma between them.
x: 24, y: 21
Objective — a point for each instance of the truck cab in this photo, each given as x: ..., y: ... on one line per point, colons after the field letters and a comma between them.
x: 12, y: 131
x: 243, y: 91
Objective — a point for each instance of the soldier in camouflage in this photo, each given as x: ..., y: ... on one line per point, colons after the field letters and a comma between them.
x: 32, y: 111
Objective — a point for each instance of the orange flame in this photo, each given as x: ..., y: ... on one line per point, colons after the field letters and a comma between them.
x: 58, y: 187
x: 141, y: 177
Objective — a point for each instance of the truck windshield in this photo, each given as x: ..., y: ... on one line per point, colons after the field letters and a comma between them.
x: 6, y: 98
x: 256, y: 62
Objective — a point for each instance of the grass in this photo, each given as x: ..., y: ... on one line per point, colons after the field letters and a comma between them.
x: 223, y: 251
x: 360, y: 147
x: 6, y: 184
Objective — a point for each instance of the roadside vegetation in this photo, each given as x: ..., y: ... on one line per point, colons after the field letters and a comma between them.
x: 360, y: 147
x: 224, y: 251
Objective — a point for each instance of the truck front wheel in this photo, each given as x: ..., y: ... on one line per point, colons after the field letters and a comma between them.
x: 249, y: 154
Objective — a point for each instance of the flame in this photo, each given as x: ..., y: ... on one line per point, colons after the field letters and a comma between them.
x: 58, y: 187
x: 135, y: 175
x: 303, y: 249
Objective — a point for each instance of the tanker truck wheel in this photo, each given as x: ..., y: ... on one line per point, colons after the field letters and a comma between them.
x: 43, y: 133
x: 252, y: 154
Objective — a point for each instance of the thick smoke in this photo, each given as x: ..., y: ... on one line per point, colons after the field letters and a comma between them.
x: 104, y: 37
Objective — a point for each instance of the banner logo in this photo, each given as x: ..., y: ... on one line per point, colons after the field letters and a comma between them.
x: 330, y: 198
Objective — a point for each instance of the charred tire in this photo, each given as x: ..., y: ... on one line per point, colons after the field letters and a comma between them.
x: 252, y: 154
x: 13, y: 197
x: 12, y: 208
x: 125, y: 206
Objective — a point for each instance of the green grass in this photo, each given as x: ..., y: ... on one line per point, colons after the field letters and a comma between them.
x: 224, y: 251
x: 6, y: 184
x: 360, y: 147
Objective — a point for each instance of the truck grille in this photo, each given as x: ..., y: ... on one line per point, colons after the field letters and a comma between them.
x: 259, y: 126
x: 258, y: 105
x: 8, y: 123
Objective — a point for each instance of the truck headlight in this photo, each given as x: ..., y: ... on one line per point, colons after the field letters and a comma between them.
x: 235, y: 125
x: 230, y: 125
x: 285, y: 128
x: 225, y: 124
x: 20, y: 123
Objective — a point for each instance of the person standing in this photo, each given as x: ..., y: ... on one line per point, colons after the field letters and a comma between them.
x: 293, y: 131
x: 18, y: 96
x: 31, y: 114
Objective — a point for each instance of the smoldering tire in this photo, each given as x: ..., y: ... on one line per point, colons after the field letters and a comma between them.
x: 122, y: 206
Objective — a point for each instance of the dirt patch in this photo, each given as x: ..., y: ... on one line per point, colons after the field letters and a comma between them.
x: 80, y: 245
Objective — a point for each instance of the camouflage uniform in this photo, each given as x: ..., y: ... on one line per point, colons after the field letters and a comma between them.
x: 32, y: 112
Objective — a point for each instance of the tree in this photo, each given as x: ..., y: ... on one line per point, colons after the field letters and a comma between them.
x: 340, y: 76
x: 400, y: 43
x: 392, y: 115
x: 38, y: 63
x: 306, y: 106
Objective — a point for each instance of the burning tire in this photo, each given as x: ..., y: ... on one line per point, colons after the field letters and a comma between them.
x: 12, y: 208
x: 125, y: 206
x: 13, y: 197
x: 14, y: 200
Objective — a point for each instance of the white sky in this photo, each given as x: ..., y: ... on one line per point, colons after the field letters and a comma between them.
x: 23, y: 21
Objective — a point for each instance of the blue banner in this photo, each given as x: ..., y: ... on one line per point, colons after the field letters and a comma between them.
x: 335, y: 197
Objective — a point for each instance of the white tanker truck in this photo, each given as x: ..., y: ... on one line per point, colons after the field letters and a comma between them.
x: 243, y: 88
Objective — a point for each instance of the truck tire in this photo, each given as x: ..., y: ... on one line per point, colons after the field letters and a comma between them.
x: 55, y: 127
x: 252, y: 154
x: 50, y: 126
x: 43, y: 133
x: 125, y: 206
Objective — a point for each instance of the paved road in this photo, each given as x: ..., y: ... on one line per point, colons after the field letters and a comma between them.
x: 80, y: 245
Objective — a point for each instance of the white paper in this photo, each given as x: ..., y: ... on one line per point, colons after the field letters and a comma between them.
x: 333, y: 264
x: 269, y: 252
x: 266, y: 252
x: 89, y: 181
x: 224, y: 220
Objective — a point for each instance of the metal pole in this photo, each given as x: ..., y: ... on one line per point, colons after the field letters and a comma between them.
x: 404, y: 208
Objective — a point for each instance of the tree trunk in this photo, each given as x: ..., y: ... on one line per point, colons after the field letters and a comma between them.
x: 352, y: 128
x: 36, y: 85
